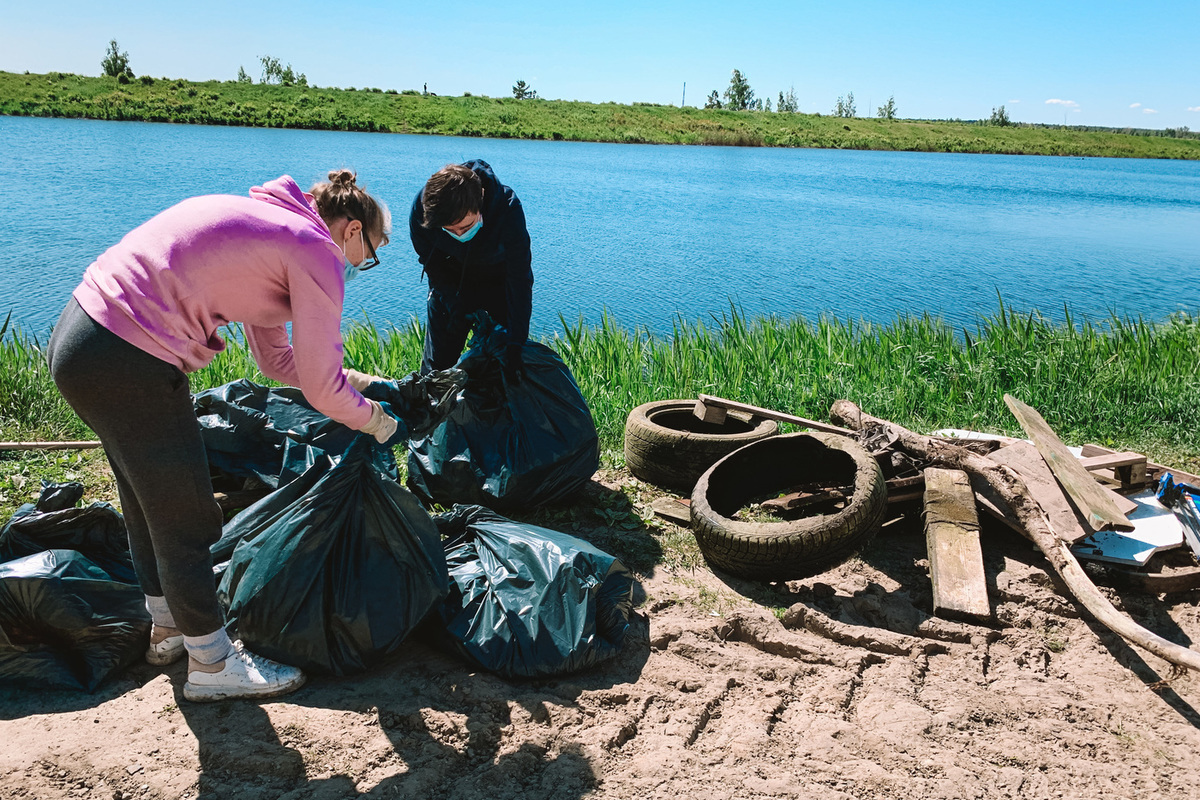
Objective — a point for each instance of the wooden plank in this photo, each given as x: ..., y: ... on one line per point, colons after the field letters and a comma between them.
x: 84, y: 445
x: 952, y: 538
x: 1110, y: 460
x: 712, y: 409
x: 675, y: 510
x: 1098, y: 509
x: 1153, y: 470
x: 1025, y: 460
x: 1127, y: 469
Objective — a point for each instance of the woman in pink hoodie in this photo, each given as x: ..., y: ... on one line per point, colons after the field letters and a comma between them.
x: 145, y: 315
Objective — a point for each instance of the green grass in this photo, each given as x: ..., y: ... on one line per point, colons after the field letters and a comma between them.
x: 1128, y: 384
x: 59, y: 94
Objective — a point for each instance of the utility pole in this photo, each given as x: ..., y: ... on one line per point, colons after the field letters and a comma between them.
x: 683, y: 101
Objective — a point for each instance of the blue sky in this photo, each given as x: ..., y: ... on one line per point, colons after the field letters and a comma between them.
x: 1098, y: 63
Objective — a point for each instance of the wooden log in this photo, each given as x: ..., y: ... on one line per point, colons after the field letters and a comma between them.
x: 1008, y: 487
x: 714, y: 409
x: 81, y: 445
x: 952, y: 539
x: 1097, y: 508
x: 1027, y: 462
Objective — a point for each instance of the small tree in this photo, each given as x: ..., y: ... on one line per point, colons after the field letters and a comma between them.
x: 888, y: 109
x: 522, y: 91
x: 787, y: 102
x: 845, y: 107
x: 116, y: 62
x: 999, y: 117
x: 271, y: 69
x: 243, y: 77
x: 276, y: 72
x: 713, y: 101
x: 739, y: 95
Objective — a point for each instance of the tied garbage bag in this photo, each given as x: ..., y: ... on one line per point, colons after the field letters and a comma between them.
x: 274, y: 435
x: 333, y: 572
x: 54, y: 523
x: 527, y: 601
x: 508, y: 444
x: 65, y: 623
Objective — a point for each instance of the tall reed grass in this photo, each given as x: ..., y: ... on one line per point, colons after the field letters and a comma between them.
x: 1122, y: 382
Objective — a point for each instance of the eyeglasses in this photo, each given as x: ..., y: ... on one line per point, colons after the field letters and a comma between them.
x: 373, y: 260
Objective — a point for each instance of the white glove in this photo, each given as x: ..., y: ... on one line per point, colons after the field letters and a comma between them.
x: 382, y: 425
x: 360, y: 380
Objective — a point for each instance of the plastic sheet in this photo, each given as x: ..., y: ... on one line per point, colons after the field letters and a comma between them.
x: 333, y: 572
x: 508, y: 445
x: 527, y: 601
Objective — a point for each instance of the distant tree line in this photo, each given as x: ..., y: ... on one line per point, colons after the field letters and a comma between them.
x: 739, y: 96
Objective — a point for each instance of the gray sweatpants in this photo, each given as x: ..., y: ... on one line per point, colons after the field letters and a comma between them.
x: 141, y: 408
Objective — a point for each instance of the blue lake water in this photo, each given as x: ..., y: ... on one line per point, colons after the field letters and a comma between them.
x: 651, y: 233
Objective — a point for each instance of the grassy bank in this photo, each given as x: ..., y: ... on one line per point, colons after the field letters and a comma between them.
x: 230, y: 103
x: 1129, y: 385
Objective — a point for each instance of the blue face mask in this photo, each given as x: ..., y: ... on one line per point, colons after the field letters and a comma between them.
x: 469, y: 234
x: 350, y: 270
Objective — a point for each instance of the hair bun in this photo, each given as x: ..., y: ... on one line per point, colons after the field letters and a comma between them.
x: 342, y: 177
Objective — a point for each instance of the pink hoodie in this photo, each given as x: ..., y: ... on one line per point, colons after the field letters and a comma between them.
x: 263, y: 260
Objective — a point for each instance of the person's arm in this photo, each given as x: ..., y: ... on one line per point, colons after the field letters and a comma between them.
x: 312, y: 359
x: 518, y: 274
x: 272, y: 350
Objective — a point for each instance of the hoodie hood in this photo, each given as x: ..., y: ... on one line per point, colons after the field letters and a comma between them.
x: 285, y: 193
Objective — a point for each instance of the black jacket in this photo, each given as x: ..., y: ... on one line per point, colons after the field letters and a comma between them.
x: 496, y: 259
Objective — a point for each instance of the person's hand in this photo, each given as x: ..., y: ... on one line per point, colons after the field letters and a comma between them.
x: 382, y: 424
x: 514, y: 364
x: 360, y: 380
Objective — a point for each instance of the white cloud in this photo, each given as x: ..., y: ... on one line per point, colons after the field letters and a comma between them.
x: 1135, y: 105
x: 1013, y: 102
x: 1067, y: 103
x: 1193, y: 108
x: 1149, y: 111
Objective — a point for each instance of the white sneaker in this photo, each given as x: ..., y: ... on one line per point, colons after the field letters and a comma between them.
x: 168, y: 651
x: 244, y: 675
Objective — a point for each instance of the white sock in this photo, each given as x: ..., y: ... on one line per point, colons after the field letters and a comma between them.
x: 160, y: 612
x: 210, y: 648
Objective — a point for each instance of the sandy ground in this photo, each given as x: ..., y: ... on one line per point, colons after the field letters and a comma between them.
x: 713, y: 696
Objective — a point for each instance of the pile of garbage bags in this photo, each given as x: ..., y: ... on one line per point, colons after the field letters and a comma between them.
x: 71, y: 613
x: 336, y: 566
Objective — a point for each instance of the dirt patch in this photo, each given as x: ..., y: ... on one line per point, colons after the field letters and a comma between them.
x: 840, y: 686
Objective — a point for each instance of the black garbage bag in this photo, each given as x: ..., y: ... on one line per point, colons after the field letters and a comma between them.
x: 332, y: 573
x: 508, y: 444
x: 54, y: 523
x: 274, y: 435
x: 66, y: 624
x: 527, y: 601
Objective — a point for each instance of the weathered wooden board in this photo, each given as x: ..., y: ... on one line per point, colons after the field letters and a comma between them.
x: 1097, y: 508
x: 714, y: 409
x: 1127, y: 469
x: 955, y: 555
x: 677, y: 511
x: 1154, y: 470
x: 1025, y: 460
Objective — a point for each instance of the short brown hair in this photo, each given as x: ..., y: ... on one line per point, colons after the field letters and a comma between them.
x: 343, y: 197
x: 451, y: 193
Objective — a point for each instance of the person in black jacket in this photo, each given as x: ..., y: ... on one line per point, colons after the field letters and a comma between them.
x: 469, y: 233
